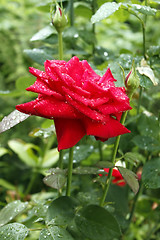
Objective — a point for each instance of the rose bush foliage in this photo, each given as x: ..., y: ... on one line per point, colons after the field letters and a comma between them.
x: 80, y: 101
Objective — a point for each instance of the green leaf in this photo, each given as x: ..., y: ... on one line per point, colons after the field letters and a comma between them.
x: 6, y: 184
x: 20, y: 148
x: 130, y: 177
x: 82, y: 9
x: 43, y: 33
x: 85, y: 170
x: 97, y: 223
x: 61, y: 211
x: 148, y: 125
x: 146, y: 143
x: 117, y: 73
x: 105, y: 11
x: 13, y: 231
x: 11, y: 210
x: 148, y: 72
x: 50, y: 158
x: 55, y: 180
x: 142, y: 9
x: 80, y: 153
x: 151, y: 174
x: 3, y: 151
x: 133, y: 158
x: 23, y: 82
x: 55, y: 233
x: 105, y: 164
x: 38, y: 55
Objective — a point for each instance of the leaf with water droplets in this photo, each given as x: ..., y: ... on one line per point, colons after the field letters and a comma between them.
x: 12, y: 119
x: 55, y: 233
x: 38, y: 55
x: 146, y: 143
x: 130, y: 177
x: 43, y: 33
x: 141, y: 9
x: 151, y: 174
x: 105, y: 11
x: 55, y: 180
x: 13, y: 231
x: 61, y: 211
x: 97, y: 223
x: 11, y: 210
x: 85, y: 170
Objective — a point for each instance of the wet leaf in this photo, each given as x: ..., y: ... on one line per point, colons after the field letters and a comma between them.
x: 97, y: 223
x: 13, y: 231
x: 11, y: 210
x: 61, y: 211
x: 43, y: 33
x: 151, y: 174
x: 142, y: 9
x: 148, y: 72
x: 86, y: 170
x: 55, y: 180
x: 105, y: 11
x: 12, y: 119
x: 38, y: 55
x: 80, y: 153
x: 130, y: 177
x: 146, y: 143
x: 54, y: 233
x: 105, y: 164
x: 133, y: 158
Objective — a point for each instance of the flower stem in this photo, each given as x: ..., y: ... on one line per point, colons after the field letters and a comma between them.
x: 70, y: 167
x: 60, y: 45
x: 71, y: 13
x: 109, y: 178
x: 31, y: 183
x: 60, y: 163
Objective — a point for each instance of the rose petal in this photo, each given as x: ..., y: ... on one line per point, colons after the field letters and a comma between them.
x: 69, y: 132
x: 38, y: 73
x: 86, y: 110
x: 110, y: 129
x: 75, y: 70
x: 86, y: 101
x: 107, y: 79
x: 48, y: 107
x: 41, y: 87
x: 113, y: 107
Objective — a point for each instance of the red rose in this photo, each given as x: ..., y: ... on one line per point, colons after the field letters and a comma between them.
x: 118, y: 179
x: 80, y: 101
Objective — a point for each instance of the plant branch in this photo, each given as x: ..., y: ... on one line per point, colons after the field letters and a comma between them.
x: 70, y: 167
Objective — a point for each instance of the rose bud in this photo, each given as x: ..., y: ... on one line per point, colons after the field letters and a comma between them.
x: 132, y: 81
x: 59, y: 19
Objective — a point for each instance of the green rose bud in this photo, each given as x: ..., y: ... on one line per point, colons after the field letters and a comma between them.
x: 59, y: 19
x: 132, y: 81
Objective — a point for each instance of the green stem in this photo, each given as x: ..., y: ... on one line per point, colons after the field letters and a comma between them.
x: 71, y: 13
x: 135, y: 203
x: 139, y: 101
x: 30, y: 185
x: 93, y: 25
x: 60, y: 163
x: 70, y: 167
x: 60, y: 45
x: 109, y: 178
